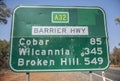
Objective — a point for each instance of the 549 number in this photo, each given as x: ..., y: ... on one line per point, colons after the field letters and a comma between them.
x: 94, y: 61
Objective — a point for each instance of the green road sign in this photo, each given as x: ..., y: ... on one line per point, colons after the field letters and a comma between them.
x: 47, y: 38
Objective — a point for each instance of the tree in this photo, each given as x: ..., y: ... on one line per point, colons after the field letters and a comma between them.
x: 117, y: 20
x: 5, y: 12
x: 115, y: 56
x: 4, y: 48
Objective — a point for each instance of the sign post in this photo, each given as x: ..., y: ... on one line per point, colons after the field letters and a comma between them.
x: 90, y: 73
x: 27, y: 76
x: 46, y: 38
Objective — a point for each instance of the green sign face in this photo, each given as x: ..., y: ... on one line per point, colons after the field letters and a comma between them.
x: 58, y: 39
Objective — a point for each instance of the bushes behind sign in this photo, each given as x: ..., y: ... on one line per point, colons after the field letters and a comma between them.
x: 4, y: 48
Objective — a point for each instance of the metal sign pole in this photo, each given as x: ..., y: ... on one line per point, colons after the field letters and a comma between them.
x: 90, y: 75
x: 103, y: 76
x: 28, y: 76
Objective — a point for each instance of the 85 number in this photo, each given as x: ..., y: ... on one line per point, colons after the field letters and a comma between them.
x: 95, y: 41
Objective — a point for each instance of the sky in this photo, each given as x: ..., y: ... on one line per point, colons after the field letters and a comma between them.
x: 111, y: 7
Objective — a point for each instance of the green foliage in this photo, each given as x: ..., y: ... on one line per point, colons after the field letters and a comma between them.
x: 115, y: 56
x: 5, y: 12
x: 4, y: 49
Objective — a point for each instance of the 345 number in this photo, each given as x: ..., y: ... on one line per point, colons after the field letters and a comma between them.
x: 93, y: 51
